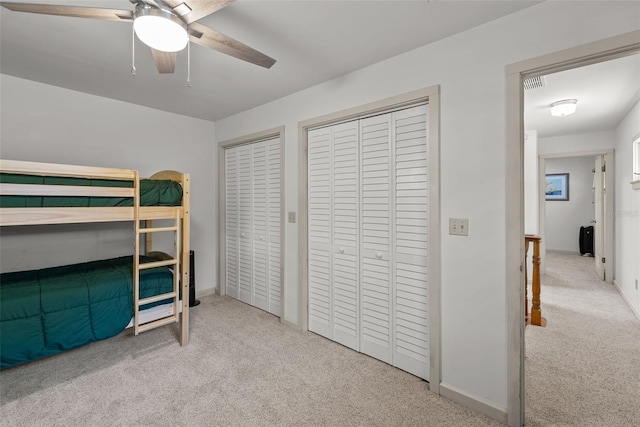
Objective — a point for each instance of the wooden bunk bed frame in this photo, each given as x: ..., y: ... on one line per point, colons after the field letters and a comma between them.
x: 138, y: 214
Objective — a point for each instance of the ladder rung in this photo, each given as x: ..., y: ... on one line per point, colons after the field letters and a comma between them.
x: 158, y: 264
x: 157, y: 229
x: 158, y: 323
x: 155, y: 298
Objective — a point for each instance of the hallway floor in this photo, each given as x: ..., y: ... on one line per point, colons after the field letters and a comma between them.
x: 583, y: 368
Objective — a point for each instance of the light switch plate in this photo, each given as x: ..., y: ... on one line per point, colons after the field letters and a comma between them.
x: 459, y: 226
x: 292, y: 217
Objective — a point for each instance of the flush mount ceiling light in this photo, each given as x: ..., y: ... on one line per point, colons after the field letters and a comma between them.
x: 160, y: 29
x: 564, y: 107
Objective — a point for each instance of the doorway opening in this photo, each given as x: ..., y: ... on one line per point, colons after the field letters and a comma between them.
x: 597, y: 52
x: 582, y: 224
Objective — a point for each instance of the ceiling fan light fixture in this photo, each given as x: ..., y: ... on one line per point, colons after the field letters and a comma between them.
x: 564, y: 107
x: 160, y: 29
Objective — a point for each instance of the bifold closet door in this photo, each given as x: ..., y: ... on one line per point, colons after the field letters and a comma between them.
x: 368, y: 217
x: 231, y: 220
x: 252, y: 174
x: 375, y: 259
x: 410, y: 243
x: 245, y: 225
x: 274, y: 262
x: 333, y: 233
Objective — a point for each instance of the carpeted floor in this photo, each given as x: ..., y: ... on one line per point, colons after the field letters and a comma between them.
x: 583, y: 369
x: 241, y: 368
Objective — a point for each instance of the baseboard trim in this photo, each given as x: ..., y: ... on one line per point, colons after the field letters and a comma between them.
x: 626, y: 299
x: 473, y: 402
x: 290, y: 324
x: 206, y: 292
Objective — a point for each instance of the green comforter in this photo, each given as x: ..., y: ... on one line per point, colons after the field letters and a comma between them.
x: 48, y: 311
x: 152, y: 193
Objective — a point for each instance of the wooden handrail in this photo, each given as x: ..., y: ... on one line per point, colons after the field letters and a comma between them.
x: 536, y: 313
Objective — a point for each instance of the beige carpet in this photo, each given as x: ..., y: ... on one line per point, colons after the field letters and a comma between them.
x: 242, y: 368
x: 583, y: 369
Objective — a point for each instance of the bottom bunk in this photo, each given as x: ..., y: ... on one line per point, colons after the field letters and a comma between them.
x: 48, y: 311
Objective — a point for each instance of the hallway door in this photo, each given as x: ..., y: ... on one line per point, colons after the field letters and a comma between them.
x: 599, y: 236
x: 603, y: 230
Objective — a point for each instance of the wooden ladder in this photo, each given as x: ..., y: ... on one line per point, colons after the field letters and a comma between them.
x: 138, y: 267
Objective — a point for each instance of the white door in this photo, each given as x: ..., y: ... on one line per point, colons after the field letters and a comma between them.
x: 333, y: 233
x: 410, y: 300
x: 231, y: 221
x: 368, y: 234
x: 375, y: 254
x: 260, y: 291
x: 345, y: 288
x: 273, y: 226
x: 320, y: 226
x: 253, y: 218
x: 598, y: 234
x: 245, y: 223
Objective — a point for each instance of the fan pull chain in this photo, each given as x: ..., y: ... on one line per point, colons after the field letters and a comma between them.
x: 133, y: 51
x: 189, y: 63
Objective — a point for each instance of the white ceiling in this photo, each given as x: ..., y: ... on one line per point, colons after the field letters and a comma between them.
x: 605, y: 93
x: 312, y: 41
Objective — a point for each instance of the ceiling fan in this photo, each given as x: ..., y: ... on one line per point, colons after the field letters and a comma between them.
x: 166, y: 26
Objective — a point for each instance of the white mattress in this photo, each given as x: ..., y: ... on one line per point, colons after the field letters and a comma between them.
x: 155, y: 313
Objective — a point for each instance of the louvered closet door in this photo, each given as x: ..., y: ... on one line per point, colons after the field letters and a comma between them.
x: 375, y: 254
x: 411, y: 302
x: 260, y: 293
x: 253, y: 269
x: 320, y: 208
x: 368, y: 236
x: 333, y: 233
x: 345, y: 291
x: 273, y: 225
x: 231, y: 220
x: 245, y: 222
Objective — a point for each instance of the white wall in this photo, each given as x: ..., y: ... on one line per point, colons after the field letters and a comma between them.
x: 627, y: 212
x: 592, y: 141
x: 531, y: 183
x: 564, y: 218
x: 50, y: 124
x: 470, y: 67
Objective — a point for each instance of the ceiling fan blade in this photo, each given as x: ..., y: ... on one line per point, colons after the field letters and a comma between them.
x: 192, y: 10
x: 73, y: 11
x: 165, y: 61
x: 209, y: 38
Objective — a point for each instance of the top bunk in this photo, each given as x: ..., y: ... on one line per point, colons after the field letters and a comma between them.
x: 33, y: 193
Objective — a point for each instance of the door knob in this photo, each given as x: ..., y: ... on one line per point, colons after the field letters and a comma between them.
x: 378, y: 255
x: 341, y: 250
x: 241, y: 234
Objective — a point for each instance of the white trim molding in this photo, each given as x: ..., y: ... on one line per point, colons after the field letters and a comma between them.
x: 626, y: 299
x: 476, y: 403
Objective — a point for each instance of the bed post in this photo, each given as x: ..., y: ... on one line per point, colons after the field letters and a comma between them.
x: 186, y: 232
x: 136, y: 254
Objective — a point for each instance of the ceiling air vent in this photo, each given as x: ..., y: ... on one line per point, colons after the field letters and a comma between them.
x: 534, y: 83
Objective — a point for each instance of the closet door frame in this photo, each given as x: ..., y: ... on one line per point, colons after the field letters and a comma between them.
x: 431, y: 96
x: 274, y: 133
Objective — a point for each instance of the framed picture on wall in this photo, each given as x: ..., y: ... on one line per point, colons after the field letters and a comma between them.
x: 556, y: 186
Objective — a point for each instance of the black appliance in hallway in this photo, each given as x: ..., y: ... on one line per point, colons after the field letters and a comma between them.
x: 586, y: 240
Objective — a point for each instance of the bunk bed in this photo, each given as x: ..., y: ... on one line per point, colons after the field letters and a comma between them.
x: 51, y: 310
